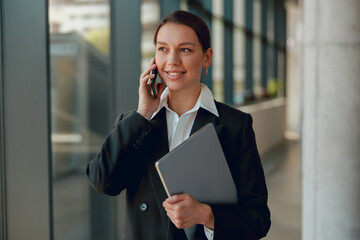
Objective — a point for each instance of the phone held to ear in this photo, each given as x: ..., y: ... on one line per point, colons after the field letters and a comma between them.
x: 154, y: 82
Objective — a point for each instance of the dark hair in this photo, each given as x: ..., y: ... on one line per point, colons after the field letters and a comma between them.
x: 191, y: 20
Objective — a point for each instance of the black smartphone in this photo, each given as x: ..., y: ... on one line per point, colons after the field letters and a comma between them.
x: 154, y: 81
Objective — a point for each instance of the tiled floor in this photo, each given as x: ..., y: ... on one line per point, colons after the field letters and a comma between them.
x: 283, y: 176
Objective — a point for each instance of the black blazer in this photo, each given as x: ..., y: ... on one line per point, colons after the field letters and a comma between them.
x: 127, y: 158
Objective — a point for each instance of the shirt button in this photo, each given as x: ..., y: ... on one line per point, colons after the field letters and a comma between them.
x: 143, y: 207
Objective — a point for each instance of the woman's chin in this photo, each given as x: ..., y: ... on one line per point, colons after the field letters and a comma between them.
x: 174, y: 86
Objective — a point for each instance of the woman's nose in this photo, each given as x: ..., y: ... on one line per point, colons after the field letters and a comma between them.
x: 173, y: 58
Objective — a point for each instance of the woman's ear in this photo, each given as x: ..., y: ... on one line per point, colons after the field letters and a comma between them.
x: 208, y: 57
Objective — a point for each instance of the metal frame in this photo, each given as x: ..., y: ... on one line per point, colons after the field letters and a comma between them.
x: 282, y: 34
x: 264, y: 44
x: 125, y: 60
x: 125, y: 71
x: 25, y: 119
x: 249, y: 83
x: 276, y: 36
x: 48, y: 125
x: 2, y: 148
x: 271, y: 48
x: 167, y: 7
x: 229, y: 58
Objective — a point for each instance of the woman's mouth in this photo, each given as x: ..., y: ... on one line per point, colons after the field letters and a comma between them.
x: 174, y: 75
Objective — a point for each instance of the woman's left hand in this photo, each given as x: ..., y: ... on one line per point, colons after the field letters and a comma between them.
x: 184, y: 211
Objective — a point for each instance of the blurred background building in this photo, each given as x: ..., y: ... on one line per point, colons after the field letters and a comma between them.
x: 69, y: 67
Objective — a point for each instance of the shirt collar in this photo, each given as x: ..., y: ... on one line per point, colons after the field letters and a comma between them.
x: 205, y: 100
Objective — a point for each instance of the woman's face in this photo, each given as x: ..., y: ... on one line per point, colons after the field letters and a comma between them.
x: 180, y: 57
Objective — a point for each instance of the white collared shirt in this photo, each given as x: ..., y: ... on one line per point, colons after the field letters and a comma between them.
x: 179, y: 128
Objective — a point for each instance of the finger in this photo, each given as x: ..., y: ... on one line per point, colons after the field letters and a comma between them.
x: 172, y: 215
x: 152, y: 61
x: 176, y: 218
x: 150, y: 67
x: 146, y: 79
x: 170, y: 206
x: 147, y: 71
x: 174, y: 199
x: 179, y: 222
x: 180, y: 197
x: 166, y: 205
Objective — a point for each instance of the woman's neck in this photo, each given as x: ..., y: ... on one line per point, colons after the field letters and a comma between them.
x: 184, y: 100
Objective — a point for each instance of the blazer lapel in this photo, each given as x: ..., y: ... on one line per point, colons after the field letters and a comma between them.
x: 203, y: 117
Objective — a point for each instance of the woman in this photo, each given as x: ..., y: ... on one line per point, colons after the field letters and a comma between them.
x: 141, y: 137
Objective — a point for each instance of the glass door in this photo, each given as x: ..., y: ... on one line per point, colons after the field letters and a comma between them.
x: 80, y: 82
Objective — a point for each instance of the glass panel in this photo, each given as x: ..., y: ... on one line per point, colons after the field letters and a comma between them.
x: 239, y: 52
x: 258, y: 90
x: 2, y: 165
x: 150, y: 18
x: 79, y: 49
x: 281, y: 74
x: 271, y: 81
x: 270, y: 21
x: 217, y: 40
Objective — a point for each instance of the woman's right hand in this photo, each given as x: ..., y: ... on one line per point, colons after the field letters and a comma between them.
x: 148, y: 104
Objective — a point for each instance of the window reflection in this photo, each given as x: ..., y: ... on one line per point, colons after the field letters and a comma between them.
x: 150, y: 17
x: 259, y: 91
x: 79, y: 49
x: 239, y: 52
x: 217, y: 41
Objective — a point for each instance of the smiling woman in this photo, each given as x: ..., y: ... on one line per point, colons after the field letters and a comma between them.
x: 180, y: 59
x: 141, y: 137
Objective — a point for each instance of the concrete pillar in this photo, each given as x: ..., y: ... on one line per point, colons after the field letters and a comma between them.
x: 331, y: 124
x: 293, y: 70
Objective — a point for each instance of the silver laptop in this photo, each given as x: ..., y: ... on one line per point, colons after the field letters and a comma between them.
x: 198, y: 167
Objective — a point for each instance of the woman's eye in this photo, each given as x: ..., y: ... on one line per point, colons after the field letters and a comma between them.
x: 185, y: 50
x: 161, y: 49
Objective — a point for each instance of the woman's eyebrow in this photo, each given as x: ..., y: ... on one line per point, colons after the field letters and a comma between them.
x: 187, y: 43
x: 163, y: 43
x: 184, y: 43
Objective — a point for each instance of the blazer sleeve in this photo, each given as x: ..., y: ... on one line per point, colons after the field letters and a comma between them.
x: 250, y: 217
x: 122, y: 153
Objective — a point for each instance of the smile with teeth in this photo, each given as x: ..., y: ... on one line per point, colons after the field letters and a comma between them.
x: 174, y: 74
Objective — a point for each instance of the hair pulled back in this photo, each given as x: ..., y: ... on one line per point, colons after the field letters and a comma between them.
x: 191, y: 20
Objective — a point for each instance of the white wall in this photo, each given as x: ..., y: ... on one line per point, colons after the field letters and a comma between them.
x: 269, y: 123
